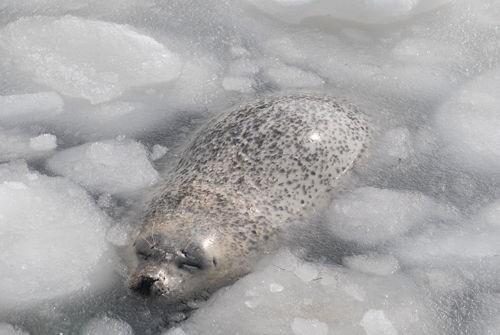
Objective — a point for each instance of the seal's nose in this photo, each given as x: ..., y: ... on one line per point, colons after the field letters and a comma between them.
x: 143, y: 285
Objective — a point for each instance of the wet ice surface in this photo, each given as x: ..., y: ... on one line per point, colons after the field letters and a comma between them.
x: 97, y: 98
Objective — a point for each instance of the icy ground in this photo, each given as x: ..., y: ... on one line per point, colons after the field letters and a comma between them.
x: 96, y: 97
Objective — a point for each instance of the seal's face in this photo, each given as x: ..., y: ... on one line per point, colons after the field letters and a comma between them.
x: 179, y: 269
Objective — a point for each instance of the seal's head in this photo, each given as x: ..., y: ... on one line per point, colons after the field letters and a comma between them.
x: 179, y: 263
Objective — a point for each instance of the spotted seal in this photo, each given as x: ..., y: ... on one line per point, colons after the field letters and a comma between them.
x: 245, y: 177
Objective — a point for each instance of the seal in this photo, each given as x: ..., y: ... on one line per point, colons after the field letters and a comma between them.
x: 244, y: 178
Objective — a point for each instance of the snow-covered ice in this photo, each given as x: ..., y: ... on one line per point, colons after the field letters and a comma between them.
x: 239, y: 84
x: 375, y: 322
x: 157, y: 152
x: 61, y: 53
x: 51, y: 233
x: 43, y: 142
x: 15, y: 143
x: 335, y: 301
x: 471, y: 245
x: 395, y: 146
x: 98, y: 98
x: 469, y: 124
x: 113, y: 166
x: 107, y: 326
x: 371, y: 216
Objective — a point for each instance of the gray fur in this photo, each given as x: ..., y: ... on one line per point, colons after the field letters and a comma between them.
x: 246, y: 175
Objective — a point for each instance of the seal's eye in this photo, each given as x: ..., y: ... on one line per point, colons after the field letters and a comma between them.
x: 190, y: 261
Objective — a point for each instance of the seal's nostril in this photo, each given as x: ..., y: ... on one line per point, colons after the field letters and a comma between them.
x: 143, y: 285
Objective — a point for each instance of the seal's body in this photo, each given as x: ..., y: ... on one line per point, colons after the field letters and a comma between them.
x: 246, y: 176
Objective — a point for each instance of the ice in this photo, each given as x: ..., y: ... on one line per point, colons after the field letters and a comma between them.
x: 395, y: 146
x: 381, y: 265
x: 60, y: 53
x: 59, y: 7
x: 43, y: 142
x: 157, y: 152
x: 199, y: 82
x: 28, y: 108
x: 322, y: 306
x: 120, y: 235
x: 306, y: 272
x: 309, y: 327
x: 175, y: 331
x: 239, y: 84
x: 274, y: 287
x: 418, y: 51
x: 363, y: 11
x: 469, y: 122
x: 107, y: 326
x: 371, y: 216
x: 355, y: 291
x: 287, y: 48
x: 113, y: 110
x: 243, y: 67
x: 51, y: 233
x: 471, y: 242
x: 92, y: 93
x: 15, y: 143
x: 112, y: 166
x: 290, y: 77
x: 109, y: 119
x: 490, y: 215
x: 490, y: 324
x: 240, y: 75
x: 375, y: 322
x: 7, y: 329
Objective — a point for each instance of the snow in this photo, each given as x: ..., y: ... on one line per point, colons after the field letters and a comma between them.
x: 98, y: 98
x: 49, y: 226
x: 113, y: 166
x: 60, y: 53
x: 107, y: 326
